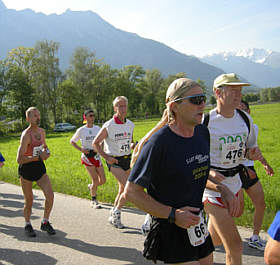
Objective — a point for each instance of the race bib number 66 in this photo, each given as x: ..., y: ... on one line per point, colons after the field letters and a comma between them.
x: 198, y: 233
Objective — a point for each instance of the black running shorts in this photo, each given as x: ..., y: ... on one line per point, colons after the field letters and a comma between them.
x: 246, y: 181
x: 32, y: 171
x: 123, y: 162
x: 170, y: 244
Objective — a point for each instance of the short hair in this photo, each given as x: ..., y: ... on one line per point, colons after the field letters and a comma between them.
x: 86, y: 112
x: 29, y: 110
x: 245, y: 103
x: 118, y: 99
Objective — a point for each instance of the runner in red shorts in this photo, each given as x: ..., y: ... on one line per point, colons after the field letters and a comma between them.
x: 89, y: 157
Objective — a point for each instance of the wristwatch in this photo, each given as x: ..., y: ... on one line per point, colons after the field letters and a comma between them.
x: 171, y: 217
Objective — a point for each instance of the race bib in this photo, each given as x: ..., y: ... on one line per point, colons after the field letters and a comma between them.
x: 37, y: 150
x: 232, y: 153
x: 198, y: 233
x: 124, y: 146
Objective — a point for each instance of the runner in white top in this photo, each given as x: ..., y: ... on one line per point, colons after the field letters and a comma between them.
x: 89, y: 157
x: 117, y: 134
x: 230, y: 141
x: 254, y: 189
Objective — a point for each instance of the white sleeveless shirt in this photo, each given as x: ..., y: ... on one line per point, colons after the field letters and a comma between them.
x: 119, y: 137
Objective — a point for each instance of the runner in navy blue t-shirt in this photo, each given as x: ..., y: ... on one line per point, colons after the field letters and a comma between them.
x: 172, y: 162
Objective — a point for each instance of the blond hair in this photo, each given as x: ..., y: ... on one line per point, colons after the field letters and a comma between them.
x: 118, y: 99
x: 175, y: 91
x: 29, y: 110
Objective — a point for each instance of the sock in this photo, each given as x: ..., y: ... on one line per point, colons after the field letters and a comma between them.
x: 27, y: 223
x: 93, y: 198
x: 255, y: 237
x: 116, y: 210
x: 44, y: 220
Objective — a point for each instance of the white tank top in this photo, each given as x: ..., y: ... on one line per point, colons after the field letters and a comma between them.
x: 228, y: 140
x: 119, y: 137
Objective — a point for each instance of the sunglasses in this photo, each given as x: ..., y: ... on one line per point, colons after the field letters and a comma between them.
x: 194, y: 99
x: 91, y: 115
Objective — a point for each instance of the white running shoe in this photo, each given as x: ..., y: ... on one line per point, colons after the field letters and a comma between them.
x: 257, y: 244
x: 116, y: 219
x: 111, y: 215
x: 94, y: 204
x: 145, y: 228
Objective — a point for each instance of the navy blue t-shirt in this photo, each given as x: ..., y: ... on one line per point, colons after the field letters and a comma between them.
x: 174, y: 169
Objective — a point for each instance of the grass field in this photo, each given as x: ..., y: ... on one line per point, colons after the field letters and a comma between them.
x: 70, y: 177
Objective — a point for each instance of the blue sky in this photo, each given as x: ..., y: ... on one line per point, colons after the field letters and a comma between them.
x: 195, y: 27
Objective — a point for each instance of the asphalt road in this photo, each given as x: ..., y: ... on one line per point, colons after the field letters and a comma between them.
x: 84, y: 235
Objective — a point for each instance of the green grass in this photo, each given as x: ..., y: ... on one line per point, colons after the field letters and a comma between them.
x: 70, y: 177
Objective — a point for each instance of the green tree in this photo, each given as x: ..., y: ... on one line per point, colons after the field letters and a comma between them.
x: 152, y: 82
x: 18, y: 75
x: 83, y: 73
x: 46, y: 78
x: 274, y: 94
x: 212, y: 100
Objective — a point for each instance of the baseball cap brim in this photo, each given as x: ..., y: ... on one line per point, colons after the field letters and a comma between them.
x: 235, y: 84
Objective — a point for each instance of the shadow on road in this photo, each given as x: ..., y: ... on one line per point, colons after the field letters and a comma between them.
x: 246, y: 250
x: 115, y: 253
x: 18, y: 257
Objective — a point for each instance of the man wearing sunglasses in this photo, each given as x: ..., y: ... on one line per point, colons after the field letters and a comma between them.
x: 196, y: 99
x: 230, y: 141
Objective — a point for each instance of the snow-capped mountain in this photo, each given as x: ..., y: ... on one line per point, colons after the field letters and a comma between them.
x: 259, y: 66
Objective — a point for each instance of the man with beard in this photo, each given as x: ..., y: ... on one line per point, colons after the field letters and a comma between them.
x: 31, y: 155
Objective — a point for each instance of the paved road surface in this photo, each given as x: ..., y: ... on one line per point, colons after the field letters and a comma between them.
x: 83, y: 234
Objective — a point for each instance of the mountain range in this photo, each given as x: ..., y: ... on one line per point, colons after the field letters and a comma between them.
x: 259, y: 66
x: 119, y: 48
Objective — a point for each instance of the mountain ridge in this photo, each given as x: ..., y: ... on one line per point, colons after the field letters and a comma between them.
x: 116, y: 47
x: 259, y: 66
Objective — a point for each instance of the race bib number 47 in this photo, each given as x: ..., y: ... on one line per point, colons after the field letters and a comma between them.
x: 124, y: 146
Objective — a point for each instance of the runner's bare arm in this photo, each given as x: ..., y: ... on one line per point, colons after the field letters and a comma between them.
x: 216, y: 175
x: 25, y: 140
x: 268, y: 169
x: 133, y: 144
x: 97, y: 145
x: 45, y: 154
x: 183, y: 216
x: 85, y: 151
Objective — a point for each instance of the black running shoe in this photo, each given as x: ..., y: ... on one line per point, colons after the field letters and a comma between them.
x: 48, y: 228
x: 28, y: 229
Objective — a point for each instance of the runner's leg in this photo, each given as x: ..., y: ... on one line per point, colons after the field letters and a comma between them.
x: 94, y: 178
x: 122, y: 177
x: 45, y: 184
x: 256, y: 194
x: 26, y: 186
x: 101, y: 175
x: 226, y: 229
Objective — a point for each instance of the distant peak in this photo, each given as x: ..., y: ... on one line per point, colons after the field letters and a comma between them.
x: 2, y: 5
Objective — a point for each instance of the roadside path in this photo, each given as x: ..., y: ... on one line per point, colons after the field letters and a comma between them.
x: 83, y: 234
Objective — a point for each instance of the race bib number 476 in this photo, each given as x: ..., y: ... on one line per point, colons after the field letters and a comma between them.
x: 232, y: 153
